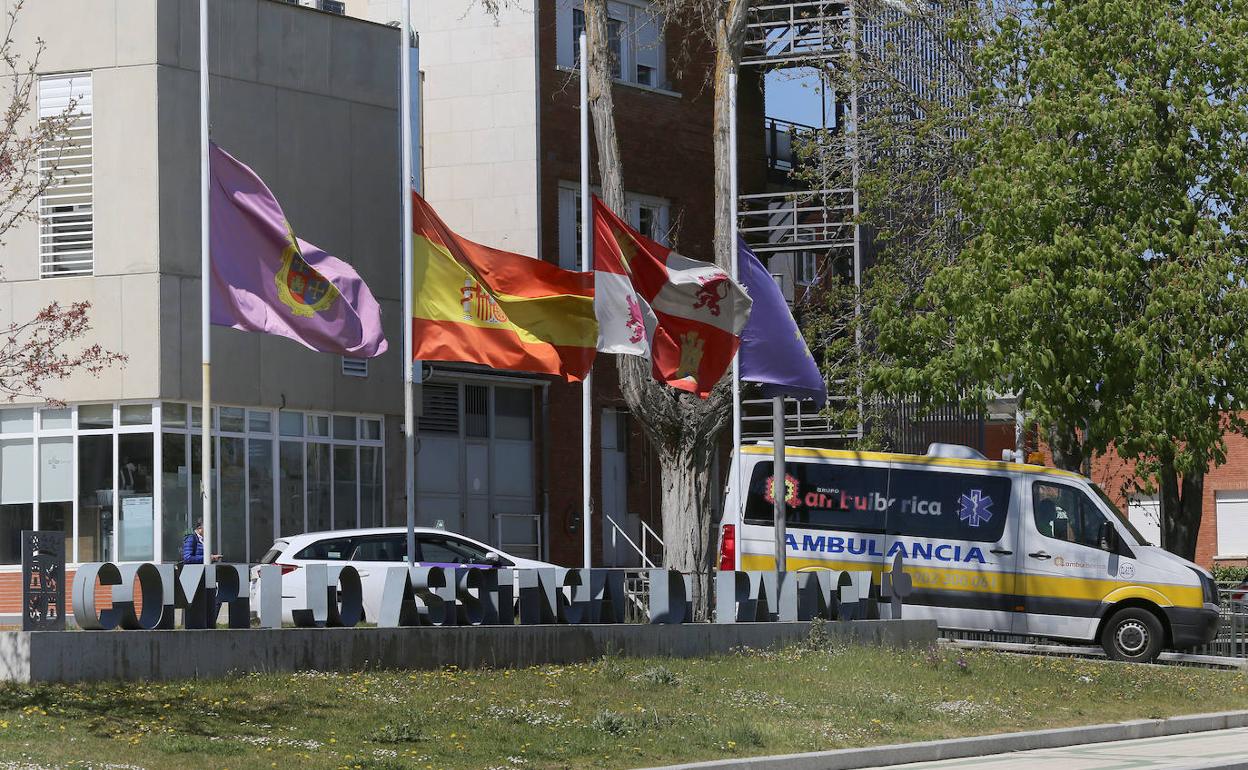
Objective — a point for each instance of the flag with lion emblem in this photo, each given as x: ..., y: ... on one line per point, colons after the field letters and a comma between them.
x: 264, y: 279
x: 685, y: 315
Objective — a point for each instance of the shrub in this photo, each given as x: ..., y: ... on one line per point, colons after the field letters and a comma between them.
x: 1223, y: 573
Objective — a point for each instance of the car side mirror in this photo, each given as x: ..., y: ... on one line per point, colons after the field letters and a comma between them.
x: 492, y: 558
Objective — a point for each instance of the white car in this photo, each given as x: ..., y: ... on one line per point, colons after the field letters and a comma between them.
x: 371, y: 552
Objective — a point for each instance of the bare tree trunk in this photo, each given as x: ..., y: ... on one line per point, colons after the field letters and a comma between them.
x: 602, y: 105
x: 1066, y: 448
x: 682, y: 428
x: 1182, y: 504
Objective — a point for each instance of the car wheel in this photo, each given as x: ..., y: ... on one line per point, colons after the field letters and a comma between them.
x: 1133, y: 634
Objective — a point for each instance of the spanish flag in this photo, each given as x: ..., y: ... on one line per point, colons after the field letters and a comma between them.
x: 507, y: 311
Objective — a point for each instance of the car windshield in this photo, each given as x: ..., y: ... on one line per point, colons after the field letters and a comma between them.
x: 1135, y: 533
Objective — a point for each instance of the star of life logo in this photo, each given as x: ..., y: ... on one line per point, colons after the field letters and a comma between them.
x: 975, y: 507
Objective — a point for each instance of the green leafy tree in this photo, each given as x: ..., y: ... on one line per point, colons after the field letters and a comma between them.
x: 1099, y: 215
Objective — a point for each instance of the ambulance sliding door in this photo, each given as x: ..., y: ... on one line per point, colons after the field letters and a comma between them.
x: 951, y: 528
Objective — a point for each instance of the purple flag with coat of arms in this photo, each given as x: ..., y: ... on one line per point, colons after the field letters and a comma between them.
x: 264, y: 279
x: 773, y: 351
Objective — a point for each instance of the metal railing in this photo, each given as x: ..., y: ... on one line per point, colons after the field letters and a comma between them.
x: 1232, y: 638
x: 531, y: 550
x: 790, y: 32
x: 798, y: 219
x: 646, y: 535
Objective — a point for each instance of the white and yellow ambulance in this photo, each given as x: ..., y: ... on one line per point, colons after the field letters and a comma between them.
x: 991, y: 546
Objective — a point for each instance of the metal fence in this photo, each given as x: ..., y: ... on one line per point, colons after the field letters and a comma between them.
x: 1232, y: 638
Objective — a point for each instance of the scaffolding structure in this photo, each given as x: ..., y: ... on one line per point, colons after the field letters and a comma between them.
x: 814, y: 230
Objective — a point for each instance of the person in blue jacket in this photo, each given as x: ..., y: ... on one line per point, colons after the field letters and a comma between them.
x: 193, y: 546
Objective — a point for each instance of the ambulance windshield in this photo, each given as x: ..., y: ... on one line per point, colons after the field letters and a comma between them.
x: 1135, y: 533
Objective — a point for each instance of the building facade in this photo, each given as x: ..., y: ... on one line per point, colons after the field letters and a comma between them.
x: 306, y: 94
x: 302, y: 440
x: 501, y: 165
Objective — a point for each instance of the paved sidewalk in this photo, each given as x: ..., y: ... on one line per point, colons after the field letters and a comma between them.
x: 1215, y: 749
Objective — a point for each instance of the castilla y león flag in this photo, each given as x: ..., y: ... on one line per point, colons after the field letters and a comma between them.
x: 485, y: 306
x: 686, y: 315
x: 264, y: 279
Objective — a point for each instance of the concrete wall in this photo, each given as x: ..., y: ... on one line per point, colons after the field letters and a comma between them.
x: 305, y: 98
x: 116, y: 41
x: 71, y: 656
x: 308, y: 100
x: 480, y: 128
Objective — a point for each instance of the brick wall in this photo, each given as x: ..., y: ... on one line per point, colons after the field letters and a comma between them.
x: 667, y: 151
x: 11, y: 594
x: 1117, y: 477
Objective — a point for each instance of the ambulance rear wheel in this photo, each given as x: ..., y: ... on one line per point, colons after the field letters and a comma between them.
x: 1132, y: 634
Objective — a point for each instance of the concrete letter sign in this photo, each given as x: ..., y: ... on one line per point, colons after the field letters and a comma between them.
x: 614, y: 599
x: 345, y: 598
x: 895, y: 586
x: 151, y: 587
x: 468, y: 592
x: 669, y: 597
x: 193, y: 592
x: 398, y: 600
x: 232, y: 593
x: 732, y: 596
x: 85, y: 614
x: 433, y: 587
x: 270, y: 576
x: 537, y: 597
x: 573, y: 596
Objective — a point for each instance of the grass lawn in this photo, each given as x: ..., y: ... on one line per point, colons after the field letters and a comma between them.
x: 611, y: 713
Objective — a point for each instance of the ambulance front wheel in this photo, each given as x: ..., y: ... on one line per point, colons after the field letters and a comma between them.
x: 1133, y: 634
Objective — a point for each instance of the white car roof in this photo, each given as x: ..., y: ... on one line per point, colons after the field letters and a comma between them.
x: 294, y: 541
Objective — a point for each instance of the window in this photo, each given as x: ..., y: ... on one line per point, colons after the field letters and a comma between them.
x: 513, y: 413
x: 436, y: 549
x: 634, y: 36
x: 66, y: 207
x: 913, y: 503
x: 648, y: 214
x: 334, y: 549
x: 123, y: 482
x: 381, y: 548
x: 1066, y: 513
x: 805, y: 268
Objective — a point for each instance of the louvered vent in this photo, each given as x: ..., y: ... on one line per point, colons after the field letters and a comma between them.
x: 441, y: 408
x: 354, y: 367
x: 67, y: 205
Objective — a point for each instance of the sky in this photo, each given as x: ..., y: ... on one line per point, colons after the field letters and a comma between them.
x: 793, y: 94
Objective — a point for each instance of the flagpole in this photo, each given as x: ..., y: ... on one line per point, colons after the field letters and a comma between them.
x: 587, y: 388
x: 733, y: 192
x: 205, y: 299
x: 405, y: 152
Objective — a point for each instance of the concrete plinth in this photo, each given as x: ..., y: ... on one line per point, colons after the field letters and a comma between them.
x: 72, y: 656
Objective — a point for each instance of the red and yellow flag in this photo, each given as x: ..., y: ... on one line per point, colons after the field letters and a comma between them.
x: 507, y: 311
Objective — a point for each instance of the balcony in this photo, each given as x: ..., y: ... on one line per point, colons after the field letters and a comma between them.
x: 783, y: 33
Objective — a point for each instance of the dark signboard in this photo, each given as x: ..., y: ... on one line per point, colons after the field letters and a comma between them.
x: 43, y: 581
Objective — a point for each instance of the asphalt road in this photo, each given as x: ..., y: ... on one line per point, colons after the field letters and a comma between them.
x: 1214, y: 749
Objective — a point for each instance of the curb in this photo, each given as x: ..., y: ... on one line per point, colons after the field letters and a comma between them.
x: 959, y: 748
x: 1095, y: 653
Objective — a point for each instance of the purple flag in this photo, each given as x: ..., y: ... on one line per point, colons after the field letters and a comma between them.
x: 264, y: 279
x: 773, y: 351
